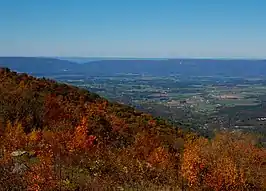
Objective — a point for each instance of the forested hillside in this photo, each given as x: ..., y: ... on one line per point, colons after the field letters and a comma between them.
x: 59, y: 137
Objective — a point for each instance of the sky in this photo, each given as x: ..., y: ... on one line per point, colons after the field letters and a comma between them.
x: 133, y: 28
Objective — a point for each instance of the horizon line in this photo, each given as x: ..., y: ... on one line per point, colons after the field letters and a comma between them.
x: 139, y: 58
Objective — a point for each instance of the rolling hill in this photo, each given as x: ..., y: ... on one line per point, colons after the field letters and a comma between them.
x: 36, y: 65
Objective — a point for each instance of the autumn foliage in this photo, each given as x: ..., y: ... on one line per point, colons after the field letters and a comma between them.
x: 71, y: 139
x: 228, y: 162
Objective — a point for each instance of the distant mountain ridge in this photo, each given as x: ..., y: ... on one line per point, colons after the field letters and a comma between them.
x: 35, y: 65
x: 185, y: 67
x: 82, y: 60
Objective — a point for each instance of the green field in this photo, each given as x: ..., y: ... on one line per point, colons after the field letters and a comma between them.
x: 238, y: 102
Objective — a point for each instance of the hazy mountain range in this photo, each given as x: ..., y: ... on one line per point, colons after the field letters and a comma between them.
x: 113, y: 66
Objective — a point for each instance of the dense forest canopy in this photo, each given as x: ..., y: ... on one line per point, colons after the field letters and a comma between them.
x: 59, y: 137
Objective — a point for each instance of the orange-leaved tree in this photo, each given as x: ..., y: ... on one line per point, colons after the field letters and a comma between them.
x: 81, y: 140
x: 230, y: 161
x: 14, y: 137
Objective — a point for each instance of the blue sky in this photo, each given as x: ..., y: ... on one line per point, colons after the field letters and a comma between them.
x: 133, y: 28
